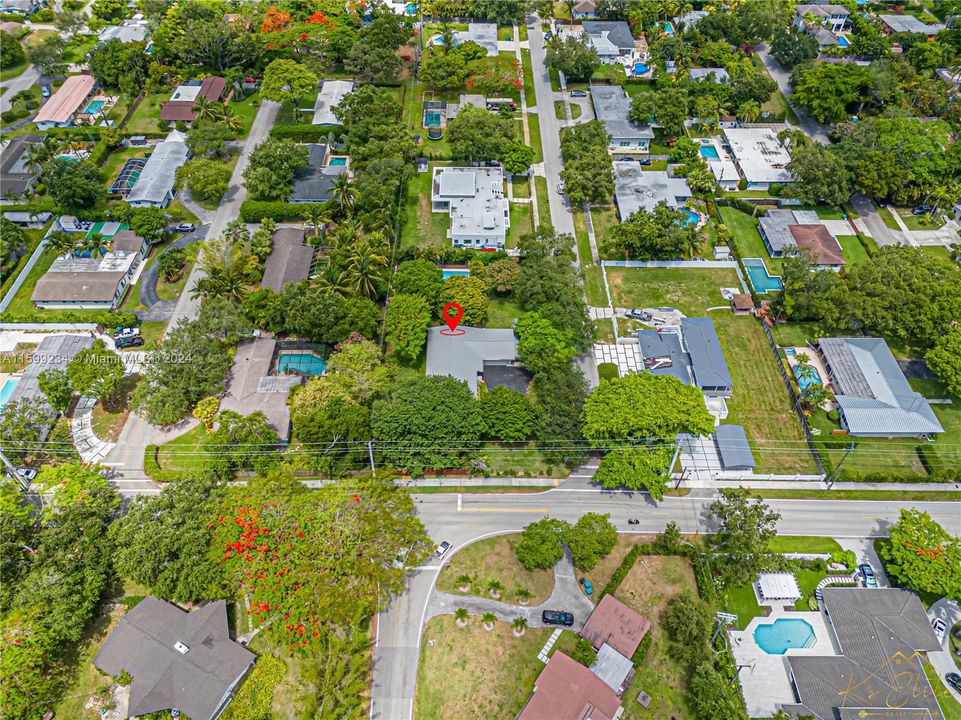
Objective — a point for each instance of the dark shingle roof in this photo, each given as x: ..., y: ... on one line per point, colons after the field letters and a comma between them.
x: 733, y: 447
x: 707, y: 358
x: 662, y: 354
x: 289, y: 260
x: 618, y: 32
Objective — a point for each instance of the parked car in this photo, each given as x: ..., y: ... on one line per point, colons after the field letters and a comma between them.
x: 45, y: 91
x: 578, y: 93
x: 939, y: 627
x: 645, y: 161
x: 588, y: 588
x: 23, y: 474
x: 954, y: 680
x: 638, y: 314
x: 557, y: 617
x: 548, y: 35
x: 867, y: 574
x: 560, y: 188
x: 442, y: 550
x: 185, y: 227
x: 923, y: 210
x: 124, y: 332
x: 128, y: 342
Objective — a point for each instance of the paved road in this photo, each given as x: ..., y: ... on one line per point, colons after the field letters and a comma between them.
x: 782, y: 77
x: 14, y: 85
x: 147, y: 287
x: 882, y: 234
x: 461, y: 520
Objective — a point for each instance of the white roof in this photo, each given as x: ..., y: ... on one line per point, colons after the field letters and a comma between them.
x: 636, y: 189
x: 329, y: 97
x: 127, y: 32
x: 476, y: 198
x: 463, y: 356
x: 186, y: 93
x: 778, y: 586
x: 724, y: 171
x: 157, y: 177
x: 759, y: 154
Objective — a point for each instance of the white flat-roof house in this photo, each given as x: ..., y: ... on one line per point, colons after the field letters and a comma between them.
x: 155, y: 186
x: 613, y: 108
x: 329, y: 97
x: 474, y: 198
x: 760, y: 157
x: 63, y: 105
x: 85, y: 282
x: 636, y: 189
x: 833, y: 16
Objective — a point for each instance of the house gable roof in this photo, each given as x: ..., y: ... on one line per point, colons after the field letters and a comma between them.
x: 463, y: 356
x: 566, y: 690
x: 614, y: 623
x: 707, y: 357
x: 618, y: 32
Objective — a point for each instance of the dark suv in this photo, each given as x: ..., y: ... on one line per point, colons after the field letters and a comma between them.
x: 557, y: 617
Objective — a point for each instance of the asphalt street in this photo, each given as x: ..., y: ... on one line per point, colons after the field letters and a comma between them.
x: 782, y: 77
x: 462, y: 519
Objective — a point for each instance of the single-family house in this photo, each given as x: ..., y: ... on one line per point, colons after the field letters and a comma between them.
x: 17, y: 177
x: 891, y: 24
x: 53, y: 353
x: 155, y: 186
x: 289, y: 260
x: 823, y: 36
x: 690, y: 19
x: 128, y: 241
x: 128, y: 31
x: 26, y: 219
x: 636, y: 189
x: 818, y: 245
x: 760, y: 157
x: 180, y: 106
x: 611, y: 38
x: 332, y: 92
x: 474, y: 199
x: 690, y: 352
x: 614, y: 631
x: 716, y: 75
x: 733, y: 449
x: 20, y: 7
x: 833, y: 16
x: 315, y: 182
x: 254, y: 386
x: 482, y: 33
x: 66, y: 103
x: 882, y: 635
x: 726, y: 174
x: 487, y: 355
x: 873, y: 396
x: 566, y: 690
x: 584, y: 9
x: 86, y: 282
x: 787, y: 233
x: 176, y: 660
x: 613, y: 108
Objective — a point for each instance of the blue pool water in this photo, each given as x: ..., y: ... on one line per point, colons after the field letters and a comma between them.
x: 709, y: 152
x: 454, y: 272
x: 843, y: 41
x: 692, y: 217
x: 300, y: 363
x: 94, y: 106
x: 640, y: 68
x: 431, y: 119
x: 806, y: 377
x: 411, y: 8
x: 9, y: 385
x: 668, y: 28
x: 783, y: 635
x: 338, y: 162
x: 761, y: 279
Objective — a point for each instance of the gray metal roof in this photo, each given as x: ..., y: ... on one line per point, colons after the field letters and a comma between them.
x: 611, y: 667
x: 157, y: 177
x: 707, y: 357
x: 636, y: 189
x: 332, y: 92
x: 176, y: 659
x: 775, y: 224
x: 880, y: 631
x: 716, y: 74
x: 618, y: 32
x: 613, y: 108
x: 247, y: 391
x: 872, y: 392
x: 910, y: 24
x: 733, y: 447
x: 53, y: 353
x: 662, y: 354
x: 463, y: 356
x: 315, y: 182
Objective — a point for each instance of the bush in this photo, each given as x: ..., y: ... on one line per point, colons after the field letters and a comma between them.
x: 641, y: 653
x: 584, y: 653
x: 300, y: 133
x: 607, y: 371
x: 885, y: 476
x: 834, y: 416
x: 845, y: 557
x: 99, y: 153
x: 256, y: 696
x: 255, y: 211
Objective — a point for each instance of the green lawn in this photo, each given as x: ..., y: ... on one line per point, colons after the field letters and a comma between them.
x: 888, y: 218
x: 183, y: 453
x: 502, y: 312
x: 580, y: 235
x: 529, y: 96
x: 740, y: 601
x: 594, y: 286
x: 543, y: 201
x: 950, y: 707
x: 76, y: 51
x: 604, y: 219
x: 560, y: 111
x: 421, y: 226
x: 747, y: 239
x: 803, y: 544
x: 534, y: 126
x: 795, y: 333
x: 937, y: 250
x: 147, y: 115
x: 891, y: 495
x: 519, y: 461
x: 521, y: 223
x: 854, y: 252
x: 8, y: 73
x: 520, y: 186
x: 659, y: 165
x: 691, y: 291
x: 604, y: 332
x: 925, y: 222
x: 33, y: 238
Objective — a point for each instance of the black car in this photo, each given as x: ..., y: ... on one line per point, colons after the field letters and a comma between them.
x: 128, y: 342
x: 954, y: 680
x: 557, y: 617
x: 645, y: 161
x: 923, y: 210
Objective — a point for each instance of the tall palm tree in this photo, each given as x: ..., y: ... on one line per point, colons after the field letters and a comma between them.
x: 346, y: 233
x: 228, y: 270
x: 39, y: 154
x: 95, y: 244
x: 344, y: 194
x: 340, y: 674
x: 208, y: 109
x: 365, y: 270
x: 231, y: 121
x: 447, y: 36
x: 749, y: 111
x: 63, y: 244
x: 316, y: 218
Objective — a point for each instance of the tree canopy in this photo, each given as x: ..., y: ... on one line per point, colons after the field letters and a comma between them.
x: 745, y: 527
x: 921, y: 555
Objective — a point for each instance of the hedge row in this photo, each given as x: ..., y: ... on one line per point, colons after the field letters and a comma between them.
x: 151, y: 466
x: 743, y: 205
x: 451, y: 255
x: 106, y: 319
x: 937, y: 474
x: 300, y: 133
x: 699, y: 560
x: 255, y: 211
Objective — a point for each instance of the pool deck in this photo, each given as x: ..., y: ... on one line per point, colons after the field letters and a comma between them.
x: 764, y: 678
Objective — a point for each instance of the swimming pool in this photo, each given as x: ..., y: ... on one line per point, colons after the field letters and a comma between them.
x: 94, y: 106
x: 454, y: 272
x: 300, y: 363
x: 668, y: 28
x: 9, y: 385
x: 761, y: 279
x: 784, y: 634
x: 338, y: 162
x: 692, y: 217
x: 806, y: 377
x: 640, y: 68
x: 411, y: 8
x: 843, y: 41
x: 431, y: 119
x: 709, y: 152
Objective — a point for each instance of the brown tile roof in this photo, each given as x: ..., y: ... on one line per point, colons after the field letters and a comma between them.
x: 742, y: 301
x: 617, y: 625
x: 77, y: 287
x: 824, y: 248
x: 173, y: 110
x: 566, y: 690
x: 67, y: 100
x: 126, y: 240
x: 289, y: 260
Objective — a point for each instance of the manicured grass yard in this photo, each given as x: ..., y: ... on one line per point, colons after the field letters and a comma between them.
x: 520, y: 186
x: 740, y: 601
x: 854, y: 252
x: 520, y: 460
x: 494, y: 559
x: 421, y: 226
x: 747, y: 240
x: 147, y: 115
x: 580, y: 235
x: 915, y: 222
x: 691, y: 291
x: 534, y: 125
x: 803, y: 544
x: 529, y: 96
x: 604, y: 219
x: 183, y: 453
x: 502, y: 312
x: 107, y: 425
x: 601, y: 574
x: 950, y: 707
x: 604, y: 331
x: 594, y: 286
x: 543, y: 202
x: 521, y: 223
x: 472, y: 674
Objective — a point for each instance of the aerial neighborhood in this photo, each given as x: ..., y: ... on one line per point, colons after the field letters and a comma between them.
x: 480, y: 359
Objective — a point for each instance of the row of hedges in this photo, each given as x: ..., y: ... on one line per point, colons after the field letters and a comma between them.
x: 699, y: 560
x: 743, y: 205
x: 452, y: 255
x: 151, y: 466
x: 105, y: 319
x: 938, y: 474
x: 255, y: 211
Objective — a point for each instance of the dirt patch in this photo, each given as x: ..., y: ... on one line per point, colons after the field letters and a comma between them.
x: 495, y: 559
x: 653, y: 581
x: 471, y: 673
x: 602, y: 572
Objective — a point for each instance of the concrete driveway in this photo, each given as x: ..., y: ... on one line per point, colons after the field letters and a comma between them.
x: 950, y: 612
x: 14, y: 85
x: 882, y: 234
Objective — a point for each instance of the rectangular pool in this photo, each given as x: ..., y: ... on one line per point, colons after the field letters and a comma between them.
x: 9, y: 385
x: 761, y: 279
x: 300, y: 362
x: 432, y: 119
x: 94, y: 106
x: 338, y: 162
x: 454, y: 272
x: 709, y: 152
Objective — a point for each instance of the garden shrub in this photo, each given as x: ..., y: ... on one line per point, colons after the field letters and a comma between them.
x: 300, y: 133
x: 255, y: 211
x: 643, y: 648
x: 584, y: 653
x: 607, y: 371
x: 256, y: 696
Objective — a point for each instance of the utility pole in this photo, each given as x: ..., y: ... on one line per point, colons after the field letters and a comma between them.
x: 370, y: 454
x: 832, y: 477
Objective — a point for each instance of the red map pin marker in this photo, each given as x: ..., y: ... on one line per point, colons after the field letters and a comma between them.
x: 452, y: 313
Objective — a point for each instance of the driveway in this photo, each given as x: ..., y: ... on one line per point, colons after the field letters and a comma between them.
x: 882, y: 234
x: 950, y: 612
x: 782, y: 77
x: 148, y: 280
x: 14, y: 85
x: 863, y: 549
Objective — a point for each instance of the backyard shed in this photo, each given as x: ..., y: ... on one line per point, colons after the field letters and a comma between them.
x: 733, y: 448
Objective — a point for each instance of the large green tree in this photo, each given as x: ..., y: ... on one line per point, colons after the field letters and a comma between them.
x: 477, y: 134
x: 792, y: 47
x: 744, y: 528
x: 660, y: 234
x: 287, y: 81
x: 419, y: 277
x: 945, y: 359
x: 507, y: 414
x: 591, y: 538
x: 921, y: 555
x: 95, y: 371
x: 588, y: 176
x: 541, y: 347
x: 408, y: 319
x: 74, y: 186
x: 636, y: 468
x: 573, y: 57
x: 540, y: 543
x: 821, y: 175
x: 468, y: 292
x: 828, y: 91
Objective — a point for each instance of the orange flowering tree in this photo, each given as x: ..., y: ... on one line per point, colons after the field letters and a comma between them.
x: 922, y: 555
x: 308, y: 560
x: 276, y: 21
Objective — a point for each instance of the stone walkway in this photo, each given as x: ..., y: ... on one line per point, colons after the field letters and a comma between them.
x: 567, y: 596
x: 625, y: 356
x: 91, y: 448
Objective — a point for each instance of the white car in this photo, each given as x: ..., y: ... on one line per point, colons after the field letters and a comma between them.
x: 939, y: 627
x: 442, y: 550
